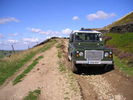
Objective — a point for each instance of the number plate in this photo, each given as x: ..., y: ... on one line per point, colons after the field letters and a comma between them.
x: 94, y: 62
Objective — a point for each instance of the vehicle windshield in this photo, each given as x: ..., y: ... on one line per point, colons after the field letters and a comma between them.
x: 82, y: 37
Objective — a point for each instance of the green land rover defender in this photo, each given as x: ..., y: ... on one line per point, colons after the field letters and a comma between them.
x: 86, y: 47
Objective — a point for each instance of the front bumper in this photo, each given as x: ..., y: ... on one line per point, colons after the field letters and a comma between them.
x: 94, y: 62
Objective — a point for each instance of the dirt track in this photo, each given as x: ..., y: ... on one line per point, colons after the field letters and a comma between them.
x: 94, y: 84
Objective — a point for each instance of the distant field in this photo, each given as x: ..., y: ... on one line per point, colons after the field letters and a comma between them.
x: 4, y: 53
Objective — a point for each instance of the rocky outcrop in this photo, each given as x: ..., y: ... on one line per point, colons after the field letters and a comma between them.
x: 122, y: 28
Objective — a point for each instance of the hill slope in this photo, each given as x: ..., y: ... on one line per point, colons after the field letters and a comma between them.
x: 124, y: 20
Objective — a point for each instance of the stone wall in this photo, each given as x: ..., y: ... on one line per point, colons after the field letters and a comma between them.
x: 122, y: 28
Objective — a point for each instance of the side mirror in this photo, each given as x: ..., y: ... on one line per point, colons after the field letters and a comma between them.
x: 71, y: 38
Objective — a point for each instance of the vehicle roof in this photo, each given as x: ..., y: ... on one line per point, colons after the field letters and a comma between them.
x: 86, y: 31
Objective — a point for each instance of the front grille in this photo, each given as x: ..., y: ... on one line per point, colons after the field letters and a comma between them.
x: 93, y: 54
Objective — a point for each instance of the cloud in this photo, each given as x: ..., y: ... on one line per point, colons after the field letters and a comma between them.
x: 32, y: 40
x: 37, y: 30
x: 66, y: 31
x: 50, y: 32
x: 99, y: 15
x: 6, y: 20
x: 12, y: 41
x: 14, y: 34
x: 75, y: 18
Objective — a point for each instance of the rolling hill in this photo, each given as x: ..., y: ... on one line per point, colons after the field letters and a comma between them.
x: 127, y: 19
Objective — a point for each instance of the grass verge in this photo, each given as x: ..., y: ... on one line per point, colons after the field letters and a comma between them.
x: 33, y: 95
x: 122, y: 45
x: 28, y: 69
x: 123, y: 66
x: 60, y: 53
x: 70, y: 77
x: 68, y: 73
x: 10, y: 65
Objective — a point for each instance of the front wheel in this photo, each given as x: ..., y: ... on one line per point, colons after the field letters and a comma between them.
x: 108, y: 67
x: 73, y: 67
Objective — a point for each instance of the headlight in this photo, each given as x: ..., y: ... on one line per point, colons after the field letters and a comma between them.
x: 110, y: 52
x: 106, y: 54
x: 81, y: 54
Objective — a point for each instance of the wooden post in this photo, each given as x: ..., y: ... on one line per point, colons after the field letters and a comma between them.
x: 13, y: 49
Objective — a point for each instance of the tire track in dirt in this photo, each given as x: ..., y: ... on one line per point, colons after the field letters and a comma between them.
x: 102, y: 90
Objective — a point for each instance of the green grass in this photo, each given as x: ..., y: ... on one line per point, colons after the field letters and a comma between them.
x: 52, y: 42
x: 4, y: 53
x: 61, y: 67
x: 28, y: 69
x: 58, y: 46
x: 123, y: 66
x: 123, y: 42
x: 59, y: 54
x: 33, y: 95
x: 10, y: 65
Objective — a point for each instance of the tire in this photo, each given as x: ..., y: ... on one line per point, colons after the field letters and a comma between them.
x: 68, y: 59
x: 108, y: 68
x: 73, y: 67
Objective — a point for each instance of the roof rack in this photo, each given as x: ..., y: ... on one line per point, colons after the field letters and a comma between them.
x: 83, y: 29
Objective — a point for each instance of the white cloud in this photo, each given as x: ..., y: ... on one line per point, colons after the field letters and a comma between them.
x: 12, y: 41
x: 66, y: 31
x: 50, y: 32
x: 75, y: 18
x: 10, y: 19
x: 30, y: 40
x: 100, y: 15
x: 37, y: 30
x: 14, y: 34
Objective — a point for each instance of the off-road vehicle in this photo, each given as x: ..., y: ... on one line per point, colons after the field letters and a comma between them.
x: 86, y: 47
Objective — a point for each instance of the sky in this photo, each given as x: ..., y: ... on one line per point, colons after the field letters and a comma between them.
x: 24, y: 23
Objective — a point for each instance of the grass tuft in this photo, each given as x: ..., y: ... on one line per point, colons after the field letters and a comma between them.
x: 33, y: 95
x: 123, y: 66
